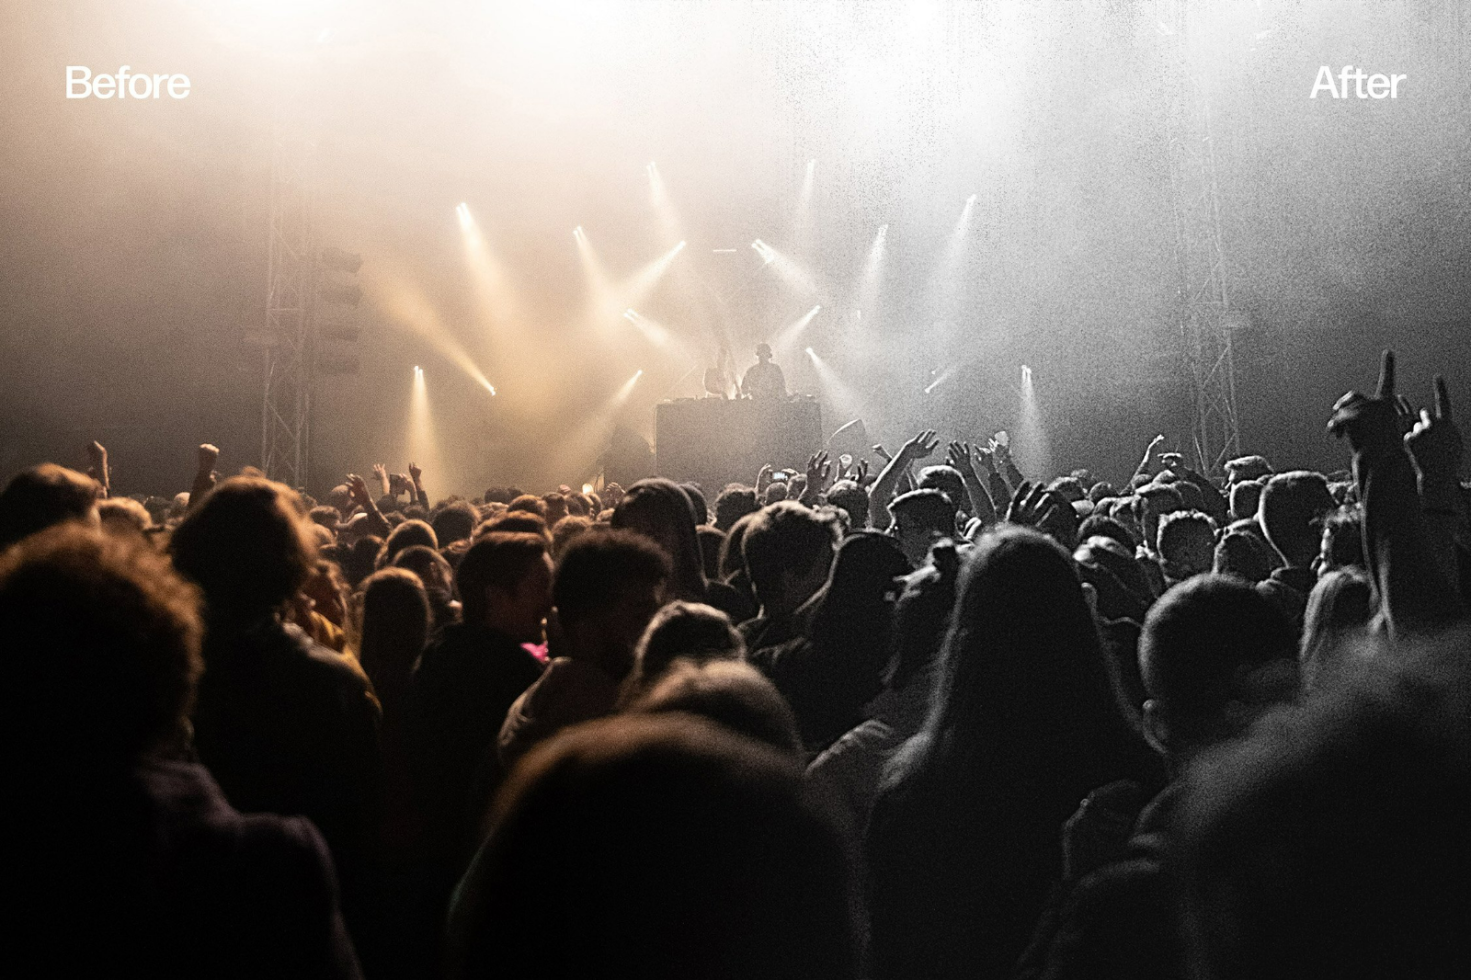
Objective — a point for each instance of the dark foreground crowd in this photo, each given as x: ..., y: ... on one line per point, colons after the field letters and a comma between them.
x: 930, y: 722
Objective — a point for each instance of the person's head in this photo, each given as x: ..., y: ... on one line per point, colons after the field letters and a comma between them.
x: 678, y: 848
x: 921, y: 617
x: 1330, y: 843
x: 1340, y: 605
x: 920, y: 518
x: 608, y: 585
x: 530, y: 503
x: 729, y: 692
x: 246, y: 546
x: 454, y: 522
x: 327, y: 590
x: 683, y: 630
x: 406, y: 535
x: 123, y: 515
x: 1102, y: 490
x: 394, y: 629
x: 1186, y: 545
x: 106, y: 641
x: 1101, y: 525
x: 1098, y: 562
x: 42, y: 496
x: 566, y: 531
x: 1243, y: 555
x: 947, y: 480
x: 698, y: 504
x: 1071, y: 488
x: 776, y: 491
x: 1023, y: 681
x: 556, y: 507
x: 432, y: 568
x: 763, y: 353
x: 1151, y: 503
x: 515, y: 522
x: 1246, y: 468
x: 852, y: 499
x: 1245, y: 497
x: 788, y: 550
x: 505, y: 582
x: 1342, y: 545
x: 660, y: 510
x: 1291, y: 515
x: 712, y: 540
x: 360, y: 559
x: 1214, y: 654
x: 325, y: 515
x: 732, y: 560
x: 733, y: 503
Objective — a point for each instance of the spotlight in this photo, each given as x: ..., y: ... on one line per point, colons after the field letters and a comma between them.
x: 577, y: 232
x: 810, y: 353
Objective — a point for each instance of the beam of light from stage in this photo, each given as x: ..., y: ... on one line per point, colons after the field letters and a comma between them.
x: 637, y: 287
x: 787, y: 269
x: 421, y: 445
x: 1031, y: 447
x: 793, y: 330
x: 654, y: 332
x: 940, y: 378
x: 669, y: 224
x: 802, y: 220
x: 839, y: 394
x: 873, y: 268
x: 582, y: 446
x: 405, y: 305
x: 599, y: 287
x: 492, y: 286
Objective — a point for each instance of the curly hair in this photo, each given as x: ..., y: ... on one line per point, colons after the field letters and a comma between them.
x: 111, y: 636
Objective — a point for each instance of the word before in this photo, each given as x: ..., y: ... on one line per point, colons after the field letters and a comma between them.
x: 82, y: 84
x: 1380, y: 86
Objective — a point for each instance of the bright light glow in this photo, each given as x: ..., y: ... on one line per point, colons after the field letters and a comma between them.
x: 587, y: 488
x: 421, y: 445
x: 786, y: 268
x: 791, y: 331
x: 802, y: 220
x: 1031, y: 447
x: 404, y: 304
x: 669, y: 223
x: 873, y: 268
x: 834, y: 389
x: 940, y: 378
x: 656, y: 333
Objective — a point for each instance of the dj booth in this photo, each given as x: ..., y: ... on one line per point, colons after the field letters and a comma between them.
x: 713, y: 441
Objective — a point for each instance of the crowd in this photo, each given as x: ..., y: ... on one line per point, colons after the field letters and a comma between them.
x: 934, y: 721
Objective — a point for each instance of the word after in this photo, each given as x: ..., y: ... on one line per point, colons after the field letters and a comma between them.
x: 1379, y: 86
x: 82, y: 84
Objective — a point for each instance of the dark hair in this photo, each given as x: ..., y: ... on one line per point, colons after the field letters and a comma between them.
x: 41, y: 496
x: 1101, y: 525
x: 731, y: 693
x: 1213, y: 653
x: 786, y: 538
x: 106, y: 641
x: 684, y: 630
x: 246, y: 546
x: 454, y: 522
x: 529, y: 503
x: 733, y: 503
x: 712, y: 540
x: 934, y: 508
x: 395, y: 627
x: 1344, y: 531
x: 1291, y: 513
x: 407, y: 534
x: 515, y: 522
x: 1244, y: 555
x: 499, y: 559
x: 325, y: 516
x: 696, y: 498
x: 598, y: 565
x: 661, y: 510
x: 852, y: 499
x: 1245, y: 496
x: 679, y: 849
x: 1330, y: 842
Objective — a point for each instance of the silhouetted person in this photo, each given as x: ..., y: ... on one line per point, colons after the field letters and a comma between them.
x: 764, y: 381
x: 122, y: 859
x: 44, y: 495
x: 657, y: 846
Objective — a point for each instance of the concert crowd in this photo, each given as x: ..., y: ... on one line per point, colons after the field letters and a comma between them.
x: 937, y: 718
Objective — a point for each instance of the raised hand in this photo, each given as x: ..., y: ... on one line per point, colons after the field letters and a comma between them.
x: 358, y: 488
x: 399, y: 483
x: 959, y: 455
x: 764, y: 478
x: 1046, y: 510
x: 1371, y: 425
x: 921, y: 446
x: 1434, y: 441
x: 381, y: 472
x: 415, y: 473
x: 860, y: 473
x: 882, y: 453
x: 818, y: 470
x: 208, y: 456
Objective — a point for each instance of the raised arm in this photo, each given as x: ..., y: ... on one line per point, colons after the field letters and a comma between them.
x: 416, y: 475
x: 961, y: 456
x: 1149, y: 465
x: 883, y: 488
x: 97, y: 457
x: 358, y: 487
x: 1413, y: 593
x: 819, y: 468
x: 1436, y: 446
x: 204, y: 476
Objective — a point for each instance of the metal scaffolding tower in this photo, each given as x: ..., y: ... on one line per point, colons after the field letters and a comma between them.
x: 1204, y: 312
x: 287, y: 340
